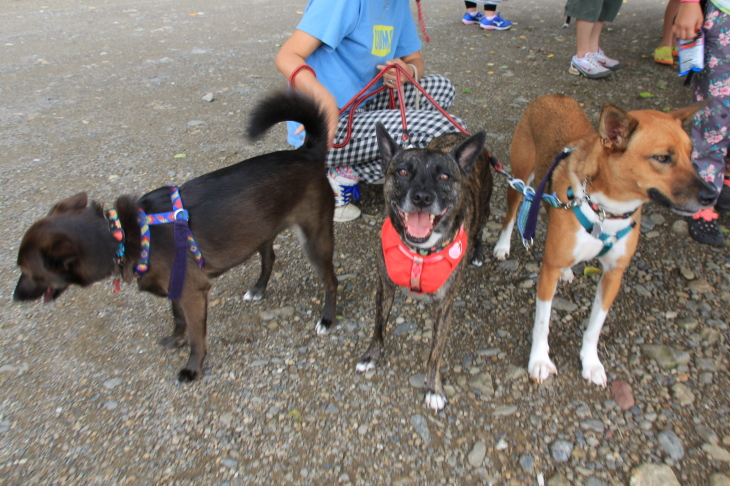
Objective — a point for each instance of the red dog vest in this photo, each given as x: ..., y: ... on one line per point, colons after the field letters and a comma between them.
x: 421, y: 274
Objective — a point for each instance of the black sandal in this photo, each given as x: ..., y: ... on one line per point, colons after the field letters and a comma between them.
x: 723, y: 200
x: 707, y: 232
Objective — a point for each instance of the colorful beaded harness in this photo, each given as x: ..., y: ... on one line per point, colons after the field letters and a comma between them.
x: 146, y: 220
x: 183, y: 238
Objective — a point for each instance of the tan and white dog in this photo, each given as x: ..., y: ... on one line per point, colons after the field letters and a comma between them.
x: 635, y: 157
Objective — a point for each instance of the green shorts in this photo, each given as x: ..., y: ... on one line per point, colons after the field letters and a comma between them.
x: 593, y: 10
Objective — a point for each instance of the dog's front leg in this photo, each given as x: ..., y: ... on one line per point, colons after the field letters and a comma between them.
x: 608, y: 288
x: 384, y: 302
x: 435, y: 395
x: 540, y: 366
x: 194, y: 305
x: 177, y: 338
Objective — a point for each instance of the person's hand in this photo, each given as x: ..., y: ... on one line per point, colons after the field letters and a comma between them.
x: 689, y: 20
x: 390, y: 78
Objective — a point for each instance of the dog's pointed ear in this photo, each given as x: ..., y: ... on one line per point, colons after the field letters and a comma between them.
x: 386, y: 145
x: 686, y: 114
x: 615, y: 128
x: 61, y: 254
x: 467, y: 152
x: 73, y: 203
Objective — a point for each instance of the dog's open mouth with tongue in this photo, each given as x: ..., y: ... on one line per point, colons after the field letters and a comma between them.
x: 419, y: 225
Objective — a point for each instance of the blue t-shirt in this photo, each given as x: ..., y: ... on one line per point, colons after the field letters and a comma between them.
x: 357, y: 36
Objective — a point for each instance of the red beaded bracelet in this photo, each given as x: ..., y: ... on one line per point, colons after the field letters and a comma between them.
x: 296, y: 71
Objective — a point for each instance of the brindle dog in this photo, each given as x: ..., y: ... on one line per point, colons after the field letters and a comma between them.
x: 432, y: 196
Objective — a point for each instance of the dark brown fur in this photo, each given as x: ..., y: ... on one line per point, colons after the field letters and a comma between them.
x: 466, y: 195
x: 234, y: 212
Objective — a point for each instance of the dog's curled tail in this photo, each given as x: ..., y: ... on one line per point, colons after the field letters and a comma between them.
x: 292, y: 106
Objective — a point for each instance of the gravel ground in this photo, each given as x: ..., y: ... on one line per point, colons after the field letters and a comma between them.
x: 103, y: 96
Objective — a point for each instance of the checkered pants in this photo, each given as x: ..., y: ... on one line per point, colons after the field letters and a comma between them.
x: 425, y: 123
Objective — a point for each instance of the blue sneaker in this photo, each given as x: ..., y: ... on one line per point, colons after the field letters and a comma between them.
x: 497, y: 23
x: 470, y: 19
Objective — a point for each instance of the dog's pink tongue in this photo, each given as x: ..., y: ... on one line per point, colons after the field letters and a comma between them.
x: 48, y: 295
x: 419, y: 224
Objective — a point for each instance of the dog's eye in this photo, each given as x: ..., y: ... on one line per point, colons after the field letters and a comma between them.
x: 662, y: 159
x: 444, y: 177
x: 402, y: 172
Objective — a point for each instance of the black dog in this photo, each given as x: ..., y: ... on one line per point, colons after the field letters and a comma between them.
x: 437, y: 200
x: 234, y: 212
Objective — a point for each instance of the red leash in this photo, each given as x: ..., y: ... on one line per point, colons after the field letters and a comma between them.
x: 362, y: 96
x: 422, y: 21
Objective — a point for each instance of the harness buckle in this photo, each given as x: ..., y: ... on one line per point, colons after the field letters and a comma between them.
x: 597, y: 230
x: 183, y: 214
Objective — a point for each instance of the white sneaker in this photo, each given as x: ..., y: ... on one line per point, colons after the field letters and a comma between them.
x: 344, y: 184
x: 345, y: 213
x: 588, y: 66
x: 606, y: 61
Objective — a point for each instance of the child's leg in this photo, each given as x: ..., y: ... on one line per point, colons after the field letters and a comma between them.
x: 361, y: 153
x: 709, y: 131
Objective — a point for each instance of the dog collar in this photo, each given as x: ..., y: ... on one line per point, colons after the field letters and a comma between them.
x: 419, y: 273
x: 117, y: 232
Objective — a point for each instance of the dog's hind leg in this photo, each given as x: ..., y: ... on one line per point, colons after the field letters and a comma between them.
x: 317, y: 239
x: 177, y: 338
x: 268, y: 257
x: 194, y: 305
x: 383, y: 305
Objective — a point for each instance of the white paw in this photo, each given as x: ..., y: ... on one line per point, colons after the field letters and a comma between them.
x: 362, y: 367
x: 435, y: 401
x: 321, y: 330
x: 567, y: 275
x: 500, y: 252
x: 252, y: 296
x: 540, y: 368
x: 593, y: 371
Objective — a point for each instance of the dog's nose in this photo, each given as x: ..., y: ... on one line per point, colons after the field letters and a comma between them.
x: 707, y: 194
x: 421, y: 198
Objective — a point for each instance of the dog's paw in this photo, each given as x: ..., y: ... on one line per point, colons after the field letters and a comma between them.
x: 594, y: 372
x: 435, y: 401
x: 323, y: 327
x: 567, y: 275
x: 540, y: 369
x: 172, y: 342
x: 477, y: 260
x: 254, y: 294
x: 365, y: 364
x: 187, y: 376
x: 500, y: 252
